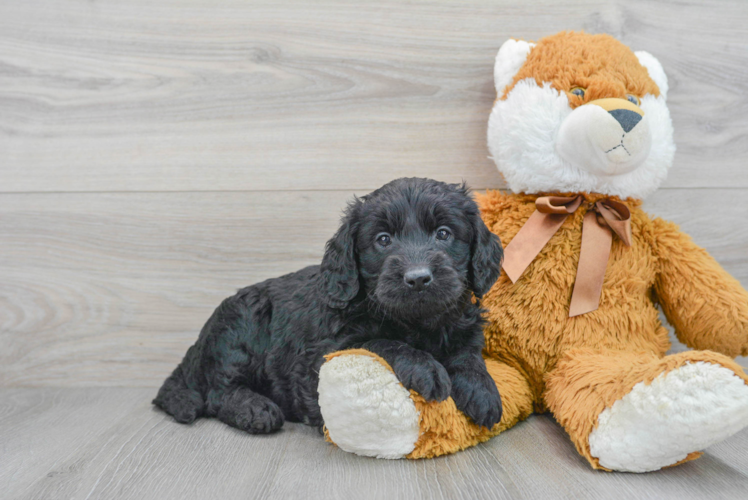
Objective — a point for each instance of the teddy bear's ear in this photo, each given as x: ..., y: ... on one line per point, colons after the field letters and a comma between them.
x: 654, y: 68
x: 512, y: 55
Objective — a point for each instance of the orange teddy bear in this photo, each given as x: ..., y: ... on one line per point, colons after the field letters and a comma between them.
x: 581, y: 132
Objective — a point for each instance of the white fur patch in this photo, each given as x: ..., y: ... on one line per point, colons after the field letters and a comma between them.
x: 511, y: 57
x: 680, y: 412
x: 654, y: 68
x: 523, y: 131
x: 366, y: 409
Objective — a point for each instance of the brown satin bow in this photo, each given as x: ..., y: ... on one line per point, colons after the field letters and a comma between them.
x: 603, y: 219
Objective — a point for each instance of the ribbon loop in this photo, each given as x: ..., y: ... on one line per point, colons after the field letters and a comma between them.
x: 558, y: 204
x: 604, y: 218
x: 550, y: 213
x: 618, y: 217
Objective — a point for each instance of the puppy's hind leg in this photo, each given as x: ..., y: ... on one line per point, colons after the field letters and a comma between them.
x: 248, y: 411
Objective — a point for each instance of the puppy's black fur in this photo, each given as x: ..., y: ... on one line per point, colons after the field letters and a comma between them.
x: 397, y: 279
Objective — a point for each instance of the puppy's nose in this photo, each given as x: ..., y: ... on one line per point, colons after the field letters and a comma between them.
x: 418, y: 279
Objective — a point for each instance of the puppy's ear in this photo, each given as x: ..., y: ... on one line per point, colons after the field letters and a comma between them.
x: 339, y: 269
x: 485, y: 257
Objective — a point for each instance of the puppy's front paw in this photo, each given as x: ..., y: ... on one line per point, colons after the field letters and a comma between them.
x: 427, y: 377
x: 477, y: 397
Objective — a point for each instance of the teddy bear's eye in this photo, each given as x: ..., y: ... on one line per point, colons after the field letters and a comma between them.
x: 633, y: 99
x: 578, y: 91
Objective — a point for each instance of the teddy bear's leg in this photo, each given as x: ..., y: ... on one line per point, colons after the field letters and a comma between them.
x: 368, y: 412
x: 638, y: 412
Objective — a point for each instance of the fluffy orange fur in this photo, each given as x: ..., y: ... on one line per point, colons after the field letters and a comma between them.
x: 600, y: 64
x: 708, y: 307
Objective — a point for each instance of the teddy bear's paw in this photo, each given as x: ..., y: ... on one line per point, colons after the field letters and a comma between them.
x: 366, y: 409
x: 680, y: 412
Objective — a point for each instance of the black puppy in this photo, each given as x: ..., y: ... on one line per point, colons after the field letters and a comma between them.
x: 396, y: 279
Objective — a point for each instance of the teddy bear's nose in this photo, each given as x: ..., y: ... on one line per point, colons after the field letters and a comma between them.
x: 627, y: 118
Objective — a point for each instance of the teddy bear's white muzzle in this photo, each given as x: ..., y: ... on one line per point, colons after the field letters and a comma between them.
x: 602, y: 141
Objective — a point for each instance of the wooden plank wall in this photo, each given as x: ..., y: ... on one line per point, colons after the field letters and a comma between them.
x: 155, y: 156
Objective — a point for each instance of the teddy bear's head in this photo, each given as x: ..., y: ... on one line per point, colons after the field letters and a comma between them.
x: 580, y: 113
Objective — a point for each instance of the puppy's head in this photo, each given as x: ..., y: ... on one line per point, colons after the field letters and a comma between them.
x: 414, y: 247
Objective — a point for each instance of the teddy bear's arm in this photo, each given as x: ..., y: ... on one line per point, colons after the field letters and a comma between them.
x: 707, y: 307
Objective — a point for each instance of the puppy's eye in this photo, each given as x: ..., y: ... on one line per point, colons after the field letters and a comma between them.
x: 384, y: 239
x: 443, y: 234
x: 577, y: 91
x: 633, y: 99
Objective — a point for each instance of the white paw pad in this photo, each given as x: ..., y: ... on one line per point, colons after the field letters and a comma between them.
x: 366, y: 410
x: 682, y: 411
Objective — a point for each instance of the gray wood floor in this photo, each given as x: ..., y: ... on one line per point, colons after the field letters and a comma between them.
x: 109, y: 443
x: 155, y: 156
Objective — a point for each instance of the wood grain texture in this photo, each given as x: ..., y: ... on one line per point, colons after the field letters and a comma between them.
x: 110, y: 443
x: 179, y: 96
x: 155, y: 156
x: 111, y: 288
